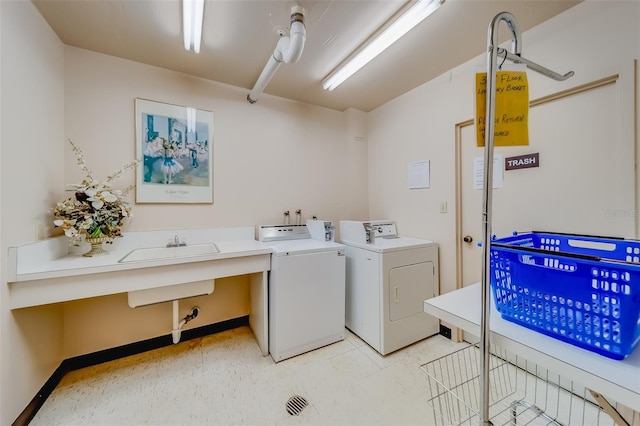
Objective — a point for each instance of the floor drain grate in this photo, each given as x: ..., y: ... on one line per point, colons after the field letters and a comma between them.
x: 296, y: 404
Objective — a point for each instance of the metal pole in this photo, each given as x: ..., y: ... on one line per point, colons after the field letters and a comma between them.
x: 492, y: 54
x: 492, y: 59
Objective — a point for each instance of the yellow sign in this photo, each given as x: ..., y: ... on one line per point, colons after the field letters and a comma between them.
x: 512, y: 108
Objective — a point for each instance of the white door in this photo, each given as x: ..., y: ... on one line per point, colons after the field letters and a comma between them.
x: 585, y: 181
x: 409, y: 287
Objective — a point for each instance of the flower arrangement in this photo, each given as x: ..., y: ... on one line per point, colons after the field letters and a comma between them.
x: 95, y: 209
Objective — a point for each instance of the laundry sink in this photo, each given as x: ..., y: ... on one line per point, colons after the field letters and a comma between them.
x: 156, y: 253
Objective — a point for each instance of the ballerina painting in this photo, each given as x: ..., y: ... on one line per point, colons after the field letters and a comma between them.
x: 174, y: 144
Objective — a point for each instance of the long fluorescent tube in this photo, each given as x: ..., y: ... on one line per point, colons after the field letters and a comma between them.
x: 415, y: 14
x: 192, y: 13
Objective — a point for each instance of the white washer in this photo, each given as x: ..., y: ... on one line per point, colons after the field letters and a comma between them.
x: 306, y: 290
x: 388, y: 279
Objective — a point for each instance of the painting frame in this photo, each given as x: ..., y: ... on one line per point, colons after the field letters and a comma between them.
x: 175, y: 144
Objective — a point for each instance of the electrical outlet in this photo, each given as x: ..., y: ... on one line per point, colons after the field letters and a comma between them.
x: 445, y: 331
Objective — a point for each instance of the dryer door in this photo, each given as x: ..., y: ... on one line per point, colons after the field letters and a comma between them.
x: 409, y: 286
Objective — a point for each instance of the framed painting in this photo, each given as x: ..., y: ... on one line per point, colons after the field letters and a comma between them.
x: 176, y: 146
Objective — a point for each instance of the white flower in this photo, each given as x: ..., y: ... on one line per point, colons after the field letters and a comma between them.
x: 64, y: 223
x: 68, y: 226
x: 125, y: 212
x: 98, y: 199
x: 71, y: 232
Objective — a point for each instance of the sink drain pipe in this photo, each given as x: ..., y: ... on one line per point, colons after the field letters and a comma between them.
x: 179, y: 323
x: 288, y: 50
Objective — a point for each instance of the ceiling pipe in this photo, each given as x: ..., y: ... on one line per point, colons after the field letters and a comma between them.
x: 288, y: 50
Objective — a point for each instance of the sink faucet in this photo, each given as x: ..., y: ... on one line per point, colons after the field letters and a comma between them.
x: 176, y: 242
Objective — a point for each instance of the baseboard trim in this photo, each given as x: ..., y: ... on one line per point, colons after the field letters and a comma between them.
x: 112, y: 354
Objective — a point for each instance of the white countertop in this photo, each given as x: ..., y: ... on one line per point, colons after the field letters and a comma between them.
x: 49, y: 259
x: 618, y: 380
x: 71, y: 265
x: 43, y: 272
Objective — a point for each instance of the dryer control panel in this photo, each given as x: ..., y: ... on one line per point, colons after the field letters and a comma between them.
x: 382, y: 229
x: 366, y: 232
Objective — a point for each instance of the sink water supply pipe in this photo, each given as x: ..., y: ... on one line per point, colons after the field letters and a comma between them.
x: 179, y: 323
x: 288, y: 50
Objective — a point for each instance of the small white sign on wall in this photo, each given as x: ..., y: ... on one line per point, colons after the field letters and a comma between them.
x: 419, y: 174
x: 498, y: 172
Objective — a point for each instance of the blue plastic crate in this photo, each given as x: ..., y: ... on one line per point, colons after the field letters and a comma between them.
x: 580, y: 289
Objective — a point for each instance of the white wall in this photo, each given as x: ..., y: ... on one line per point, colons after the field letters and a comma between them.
x: 31, y: 166
x: 271, y: 156
x: 595, y: 39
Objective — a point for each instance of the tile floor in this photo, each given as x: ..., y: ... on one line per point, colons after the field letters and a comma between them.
x: 223, y: 379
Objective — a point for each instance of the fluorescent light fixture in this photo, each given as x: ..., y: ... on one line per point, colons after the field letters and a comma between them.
x: 385, y: 37
x: 192, y: 13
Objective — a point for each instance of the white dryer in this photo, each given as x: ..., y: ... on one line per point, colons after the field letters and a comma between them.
x: 388, y: 279
x: 306, y: 290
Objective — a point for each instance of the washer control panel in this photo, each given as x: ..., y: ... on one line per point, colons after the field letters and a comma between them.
x: 283, y: 232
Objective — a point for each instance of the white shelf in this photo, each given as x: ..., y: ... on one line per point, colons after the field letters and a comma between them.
x: 616, y: 380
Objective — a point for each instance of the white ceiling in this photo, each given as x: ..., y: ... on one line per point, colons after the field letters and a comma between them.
x: 239, y: 36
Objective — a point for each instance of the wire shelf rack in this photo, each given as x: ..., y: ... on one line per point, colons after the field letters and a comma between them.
x: 521, y: 392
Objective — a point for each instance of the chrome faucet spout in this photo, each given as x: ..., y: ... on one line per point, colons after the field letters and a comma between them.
x: 176, y: 242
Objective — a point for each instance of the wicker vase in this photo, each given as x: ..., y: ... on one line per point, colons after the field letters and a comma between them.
x: 96, y: 246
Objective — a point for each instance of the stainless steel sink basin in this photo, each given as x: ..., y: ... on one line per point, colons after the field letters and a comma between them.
x: 155, y: 253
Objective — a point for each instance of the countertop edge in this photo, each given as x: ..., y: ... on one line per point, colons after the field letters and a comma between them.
x: 114, y: 267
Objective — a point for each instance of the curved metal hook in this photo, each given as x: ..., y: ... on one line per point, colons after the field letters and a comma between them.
x: 511, y: 22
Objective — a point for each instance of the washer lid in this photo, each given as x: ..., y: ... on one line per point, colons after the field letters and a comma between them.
x: 286, y: 248
x: 386, y: 245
